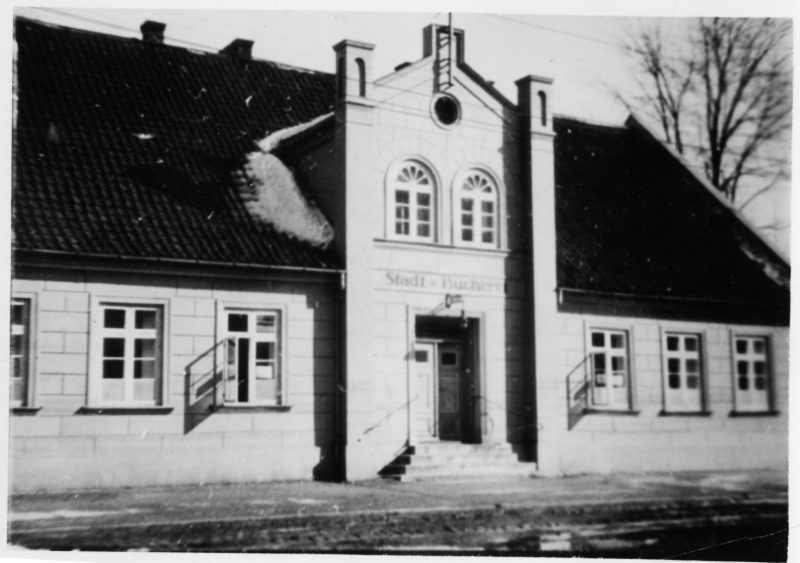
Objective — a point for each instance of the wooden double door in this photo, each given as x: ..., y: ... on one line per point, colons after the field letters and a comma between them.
x: 446, y: 400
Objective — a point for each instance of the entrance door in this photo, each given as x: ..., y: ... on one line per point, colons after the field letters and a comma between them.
x: 447, y: 382
x: 449, y: 390
x: 439, y: 386
x: 425, y: 402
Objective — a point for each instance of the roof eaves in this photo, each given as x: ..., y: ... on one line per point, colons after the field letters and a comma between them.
x: 638, y: 124
x: 386, y: 78
x: 23, y: 253
x: 483, y: 83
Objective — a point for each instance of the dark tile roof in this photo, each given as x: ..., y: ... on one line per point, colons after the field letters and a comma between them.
x: 129, y: 148
x: 632, y: 220
x: 136, y: 149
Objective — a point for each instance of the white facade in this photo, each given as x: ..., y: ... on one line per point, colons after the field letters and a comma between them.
x: 446, y: 323
x: 67, y: 436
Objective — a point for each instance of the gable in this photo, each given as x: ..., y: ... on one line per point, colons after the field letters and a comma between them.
x: 414, y: 88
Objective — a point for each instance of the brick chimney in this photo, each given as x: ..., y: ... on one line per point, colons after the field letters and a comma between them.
x: 153, y: 32
x: 239, y: 48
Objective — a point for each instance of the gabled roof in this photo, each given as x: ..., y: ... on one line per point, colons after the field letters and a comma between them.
x: 133, y: 149
x: 136, y: 149
x: 632, y: 220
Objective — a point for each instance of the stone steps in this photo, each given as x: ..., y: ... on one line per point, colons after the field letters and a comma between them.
x: 453, y: 460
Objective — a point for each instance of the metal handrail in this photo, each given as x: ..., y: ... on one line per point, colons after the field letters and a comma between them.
x: 578, y: 385
x: 214, y: 368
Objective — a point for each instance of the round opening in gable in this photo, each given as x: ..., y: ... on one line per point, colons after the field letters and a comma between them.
x: 447, y: 110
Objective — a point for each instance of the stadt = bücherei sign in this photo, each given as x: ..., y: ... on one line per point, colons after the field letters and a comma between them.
x: 446, y: 283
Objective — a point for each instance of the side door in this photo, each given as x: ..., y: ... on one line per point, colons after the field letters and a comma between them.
x: 424, y: 402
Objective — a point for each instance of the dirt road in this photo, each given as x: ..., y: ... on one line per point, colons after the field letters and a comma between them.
x: 684, y: 516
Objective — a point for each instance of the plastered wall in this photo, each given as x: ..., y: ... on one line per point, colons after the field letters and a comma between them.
x: 59, y: 447
x: 647, y: 439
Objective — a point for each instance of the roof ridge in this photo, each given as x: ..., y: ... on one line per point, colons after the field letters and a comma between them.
x: 581, y: 121
x: 136, y: 40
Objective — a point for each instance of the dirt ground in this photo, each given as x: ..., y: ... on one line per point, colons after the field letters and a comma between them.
x: 721, y: 516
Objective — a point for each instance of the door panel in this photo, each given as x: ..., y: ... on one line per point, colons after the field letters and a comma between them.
x: 424, y: 403
x: 449, y: 372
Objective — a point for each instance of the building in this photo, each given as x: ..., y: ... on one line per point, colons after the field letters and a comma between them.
x: 232, y: 269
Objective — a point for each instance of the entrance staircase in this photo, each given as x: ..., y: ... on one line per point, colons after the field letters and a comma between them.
x: 438, y: 460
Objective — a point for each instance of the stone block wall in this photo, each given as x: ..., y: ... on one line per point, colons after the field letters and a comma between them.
x: 62, y: 445
x: 648, y: 437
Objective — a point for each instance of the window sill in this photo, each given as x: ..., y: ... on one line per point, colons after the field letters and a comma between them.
x: 447, y: 247
x: 743, y: 414
x: 595, y: 410
x: 250, y: 408
x: 25, y: 411
x: 684, y: 413
x: 125, y: 410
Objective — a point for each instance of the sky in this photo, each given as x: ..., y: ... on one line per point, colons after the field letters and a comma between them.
x: 582, y: 54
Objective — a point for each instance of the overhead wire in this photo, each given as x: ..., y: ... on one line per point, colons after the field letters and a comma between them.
x: 120, y: 27
x: 556, y: 30
x: 171, y: 40
x: 216, y: 49
x: 410, y: 110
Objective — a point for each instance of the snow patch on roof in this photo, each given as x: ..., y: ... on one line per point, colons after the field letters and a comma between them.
x: 272, y: 140
x: 272, y: 196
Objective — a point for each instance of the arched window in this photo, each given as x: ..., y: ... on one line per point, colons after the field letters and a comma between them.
x: 362, y: 77
x: 543, y: 108
x: 477, y: 211
x: 413, y: 202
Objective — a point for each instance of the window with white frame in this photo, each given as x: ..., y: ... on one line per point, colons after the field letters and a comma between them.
x: 476, y: 216
x: 683, y: 372
x: 253, y: 373
x: 609, y: 369
x: 751, y: 372
x: 127, y: 359
x: 19, y: 380
x: 413, y: 202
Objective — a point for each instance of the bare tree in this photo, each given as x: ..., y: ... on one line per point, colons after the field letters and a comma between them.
x: 731, y: 85
x: 669, y: 78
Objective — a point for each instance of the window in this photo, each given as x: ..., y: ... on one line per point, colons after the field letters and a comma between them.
x: 751, y: 373
x: 362, y: 77
x: 543, y: 107
x: 446, y: 110
x: 477, y: 210
x: 609, y: 371
x: 413, y: 202
x: 19, y: 382
x: 683, y: 372
x: 253, y: 370
x: 127, y: 358
x: 449, y: 358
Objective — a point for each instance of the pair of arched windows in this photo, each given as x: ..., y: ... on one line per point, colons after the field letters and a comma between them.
x: 414, y: 199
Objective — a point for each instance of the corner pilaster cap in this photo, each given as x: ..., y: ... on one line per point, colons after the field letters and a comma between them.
x: 352, y: 43
x: 533, y: 78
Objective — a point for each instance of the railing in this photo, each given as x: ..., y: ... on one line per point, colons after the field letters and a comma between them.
x: 577, y: 393
x: 204, y: 375
x: 405, y: 407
